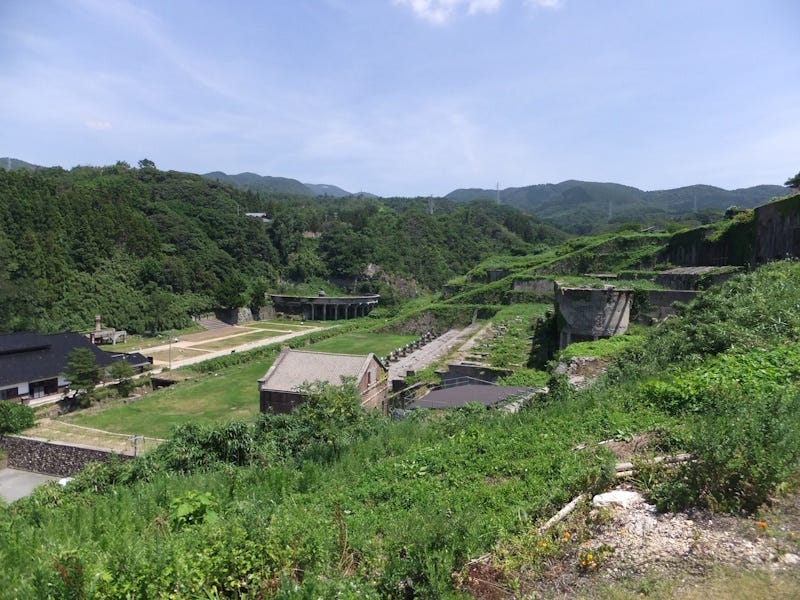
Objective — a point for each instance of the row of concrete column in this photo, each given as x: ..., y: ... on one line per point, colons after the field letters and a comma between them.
x: 397, y: 353
x: 324, y: 312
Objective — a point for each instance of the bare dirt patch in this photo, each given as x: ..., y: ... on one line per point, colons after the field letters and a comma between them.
x: 583, y: 370
x: 212, y: 334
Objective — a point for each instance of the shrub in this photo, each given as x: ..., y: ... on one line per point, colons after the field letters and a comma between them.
x: 743, y: 448
x: 193, y: 508
x: 15, y: 417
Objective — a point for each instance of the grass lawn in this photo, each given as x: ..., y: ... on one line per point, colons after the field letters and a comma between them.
x: 362, y: 343
x: 208, y: 399
x: 238, y: 340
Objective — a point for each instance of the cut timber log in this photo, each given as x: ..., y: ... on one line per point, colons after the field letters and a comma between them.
x: 562, y: 514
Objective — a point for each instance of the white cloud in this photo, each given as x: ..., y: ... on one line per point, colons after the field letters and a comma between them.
x: 440, y: 11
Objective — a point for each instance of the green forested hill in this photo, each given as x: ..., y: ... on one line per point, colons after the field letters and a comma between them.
x: 261, y: 183
x: 585, y: 206
x: 145, y: 248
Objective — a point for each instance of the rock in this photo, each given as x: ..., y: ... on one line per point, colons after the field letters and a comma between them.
x: 622, y: 498
x: 790, y: 559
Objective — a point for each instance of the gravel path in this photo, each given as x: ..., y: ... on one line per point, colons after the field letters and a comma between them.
x: 446, y: 343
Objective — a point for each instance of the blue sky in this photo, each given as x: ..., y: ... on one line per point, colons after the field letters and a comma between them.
x: 409, y: 97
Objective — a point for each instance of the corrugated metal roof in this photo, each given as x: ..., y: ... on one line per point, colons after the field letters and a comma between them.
x: 456, y: 396
x: 294, y: 368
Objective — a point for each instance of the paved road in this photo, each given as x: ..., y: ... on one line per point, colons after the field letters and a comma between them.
x: 16, y: 484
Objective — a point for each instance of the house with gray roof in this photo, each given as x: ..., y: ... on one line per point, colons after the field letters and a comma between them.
x: 32, y: 365
x: 281, y: 389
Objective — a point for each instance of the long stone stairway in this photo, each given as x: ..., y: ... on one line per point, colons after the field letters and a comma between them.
x: 209, y: 322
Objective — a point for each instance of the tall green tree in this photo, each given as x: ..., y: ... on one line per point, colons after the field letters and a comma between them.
x: 123, y: 373
x: 794, y: 182
x: 231, y: 291
x: 83, y: 373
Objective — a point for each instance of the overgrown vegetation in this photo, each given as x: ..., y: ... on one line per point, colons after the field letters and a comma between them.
x: 726, y: 371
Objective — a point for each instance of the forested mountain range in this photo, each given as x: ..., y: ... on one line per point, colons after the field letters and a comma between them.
x: 580, y: 206
x: 145, y: 248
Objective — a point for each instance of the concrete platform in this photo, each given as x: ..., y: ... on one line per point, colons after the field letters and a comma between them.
x: 16, y: 484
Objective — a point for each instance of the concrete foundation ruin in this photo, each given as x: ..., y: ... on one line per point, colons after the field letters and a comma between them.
x: 588, y: 314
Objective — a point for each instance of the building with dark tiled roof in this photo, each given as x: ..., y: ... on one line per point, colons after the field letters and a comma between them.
x: 281, y: 388
x: 32, y: 365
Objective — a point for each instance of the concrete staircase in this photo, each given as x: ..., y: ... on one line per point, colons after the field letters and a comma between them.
x: 209, y: 322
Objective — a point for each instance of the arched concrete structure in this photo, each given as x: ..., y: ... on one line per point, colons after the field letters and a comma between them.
x: 325, y: 308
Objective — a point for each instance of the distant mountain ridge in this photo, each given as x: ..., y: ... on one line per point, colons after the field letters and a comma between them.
x: 266, y: 183
x: 574, y: 205
x: 12, y: 164
x: 580, y: 206
x: 261, y: 183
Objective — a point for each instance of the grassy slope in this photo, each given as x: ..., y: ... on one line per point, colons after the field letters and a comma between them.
x: 416, y: 501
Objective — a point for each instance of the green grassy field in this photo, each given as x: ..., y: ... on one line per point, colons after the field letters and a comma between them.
x: 208, y: 399
x: 362, y: 343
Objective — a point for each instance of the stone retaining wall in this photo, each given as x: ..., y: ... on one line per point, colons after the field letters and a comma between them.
x: 51, y: 458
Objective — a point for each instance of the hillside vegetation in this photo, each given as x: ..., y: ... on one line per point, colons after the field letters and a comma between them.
x: 333, y: 502
x: 146, y: 248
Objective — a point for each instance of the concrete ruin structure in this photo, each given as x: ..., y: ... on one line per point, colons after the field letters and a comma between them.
x: 325, y: 308
x: 588, y: 314
x: 107, y: 335
x: 694, y: 278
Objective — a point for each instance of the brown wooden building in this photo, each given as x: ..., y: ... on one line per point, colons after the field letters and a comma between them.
x: 280, y: 389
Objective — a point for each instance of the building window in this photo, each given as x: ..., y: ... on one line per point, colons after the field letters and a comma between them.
x: 9, y: 393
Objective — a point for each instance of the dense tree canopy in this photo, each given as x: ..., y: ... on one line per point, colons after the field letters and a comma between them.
x: 147, y: 248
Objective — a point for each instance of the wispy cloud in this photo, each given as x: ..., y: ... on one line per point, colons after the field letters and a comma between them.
x: 146, y: 26
x: 545, y: 3
x: 441, y: 11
